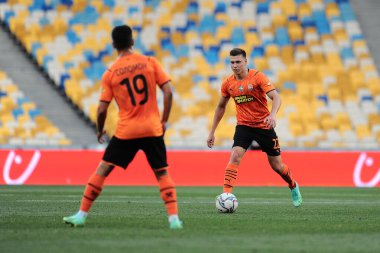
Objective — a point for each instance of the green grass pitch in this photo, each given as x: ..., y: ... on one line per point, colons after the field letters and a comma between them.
x: 133, y: 219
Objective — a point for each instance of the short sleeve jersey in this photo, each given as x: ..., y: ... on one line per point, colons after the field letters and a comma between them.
x: 249, y: 96
x: 132, y: 82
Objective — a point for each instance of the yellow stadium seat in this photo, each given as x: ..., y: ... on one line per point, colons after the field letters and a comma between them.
x: 79, y: 5
x: 6, y: 117
x: 332, y: 10
x: 279, y: 21
x: 64, y: 142
x: 22, y: 119
x: 249, y: 23
x: 272, y: 50
x: 222, y: 17
x: 60, y: 26
x: 7, y: 103
x: 5, y: 133
x: 11, y: 88
x: 359, y: 44
x: 295, y: 31
x: 177, y: 38
x: 3, y: 75
x: 296, y: 129
x: 41, y: 52
x: 357, y: 79
x: 223, y: 33
x: 289, y: 8
x: 373, y: 119
x: 341, y: 35
x: 287, y: 54
x: 304, y: 10
x: 334, y: 92
x: 362, y: 131
x: 252, y: 39
x: 261, y: 63
x: 21, y: 132
x: 342, y: 118
x: 344, y: 127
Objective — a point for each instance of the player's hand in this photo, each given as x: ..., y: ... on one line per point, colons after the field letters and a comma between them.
x: 164, y: 126
x: 270, y: 121
x: 210, y: 140
x: 99, y: 135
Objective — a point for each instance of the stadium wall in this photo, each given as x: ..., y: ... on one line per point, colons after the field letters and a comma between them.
x: 192, y: 168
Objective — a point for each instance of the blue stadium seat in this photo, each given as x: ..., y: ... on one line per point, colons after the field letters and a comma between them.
x: 192, y: 8
x: 257, y: 51
x: 17, y: 112
x: 289, y: 86
x: 262, y: 7
x: 237, y: 36
x: 220, y: 7
x: 72, y: 37
x: 307, y: 22
x: 346, y: 53
x: 34, y: 112
x: 281, y: 36
x: 208, y: 24
x: 197, y: 78
x: 322, y: 24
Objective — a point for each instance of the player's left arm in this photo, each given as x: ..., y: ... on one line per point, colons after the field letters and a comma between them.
x: 168, y: 99
x: 163, y: 81
x: 270, y: 121
x: 101, y: 119
x: 106, y: 96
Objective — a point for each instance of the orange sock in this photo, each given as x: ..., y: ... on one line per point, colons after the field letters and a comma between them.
x: 287, y: 176
x: 92, y: 191
x: 230, y: 176
x: 168, y: 194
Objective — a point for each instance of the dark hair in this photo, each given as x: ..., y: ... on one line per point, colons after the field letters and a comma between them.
x: 122, y: 37
x: 238, y: 51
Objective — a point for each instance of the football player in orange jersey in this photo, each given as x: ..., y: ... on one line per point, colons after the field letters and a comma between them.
x: 249, y: 88
x: 131, y: 81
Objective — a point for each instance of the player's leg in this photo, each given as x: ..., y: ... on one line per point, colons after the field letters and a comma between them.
x: 92, y: 191
x: 231, y: 171
x: 268, y: 141
x: 155, y: 152
x: 284, y: 171
x: 242, y: 140
x: 118, y: 153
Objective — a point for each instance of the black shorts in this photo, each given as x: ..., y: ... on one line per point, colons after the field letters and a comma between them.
x: 121, y: 152
x: 266, y: 138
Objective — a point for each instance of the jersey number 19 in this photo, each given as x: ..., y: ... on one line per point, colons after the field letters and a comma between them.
x: 135, y: 89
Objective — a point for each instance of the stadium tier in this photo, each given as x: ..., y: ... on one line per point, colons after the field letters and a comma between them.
x: 312, y: 50
x: 21, y: 122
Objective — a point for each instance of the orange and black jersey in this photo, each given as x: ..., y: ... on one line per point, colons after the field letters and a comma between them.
x: 250, y: 99
x: 132, y: 81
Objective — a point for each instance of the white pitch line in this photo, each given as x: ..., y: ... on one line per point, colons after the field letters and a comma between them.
x: 256, y: 202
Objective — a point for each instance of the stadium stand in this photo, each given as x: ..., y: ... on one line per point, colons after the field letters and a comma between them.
x: 313, y: 50
x: 21, y: 122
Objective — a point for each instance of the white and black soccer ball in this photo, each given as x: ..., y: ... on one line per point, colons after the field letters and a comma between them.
x: 226, y: 203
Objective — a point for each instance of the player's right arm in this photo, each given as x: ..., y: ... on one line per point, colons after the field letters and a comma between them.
x: 168, y: 98
x: 101, y: 119
x: 219, y: 113
x: 106, y: 96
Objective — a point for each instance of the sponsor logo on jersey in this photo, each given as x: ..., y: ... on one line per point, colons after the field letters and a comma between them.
x: 243, y: 99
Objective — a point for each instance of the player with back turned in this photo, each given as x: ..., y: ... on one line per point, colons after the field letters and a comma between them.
x: 131, y: 81
x: 249, y: 88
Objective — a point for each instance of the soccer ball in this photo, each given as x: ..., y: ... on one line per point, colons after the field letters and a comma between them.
x: 226, y: 203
